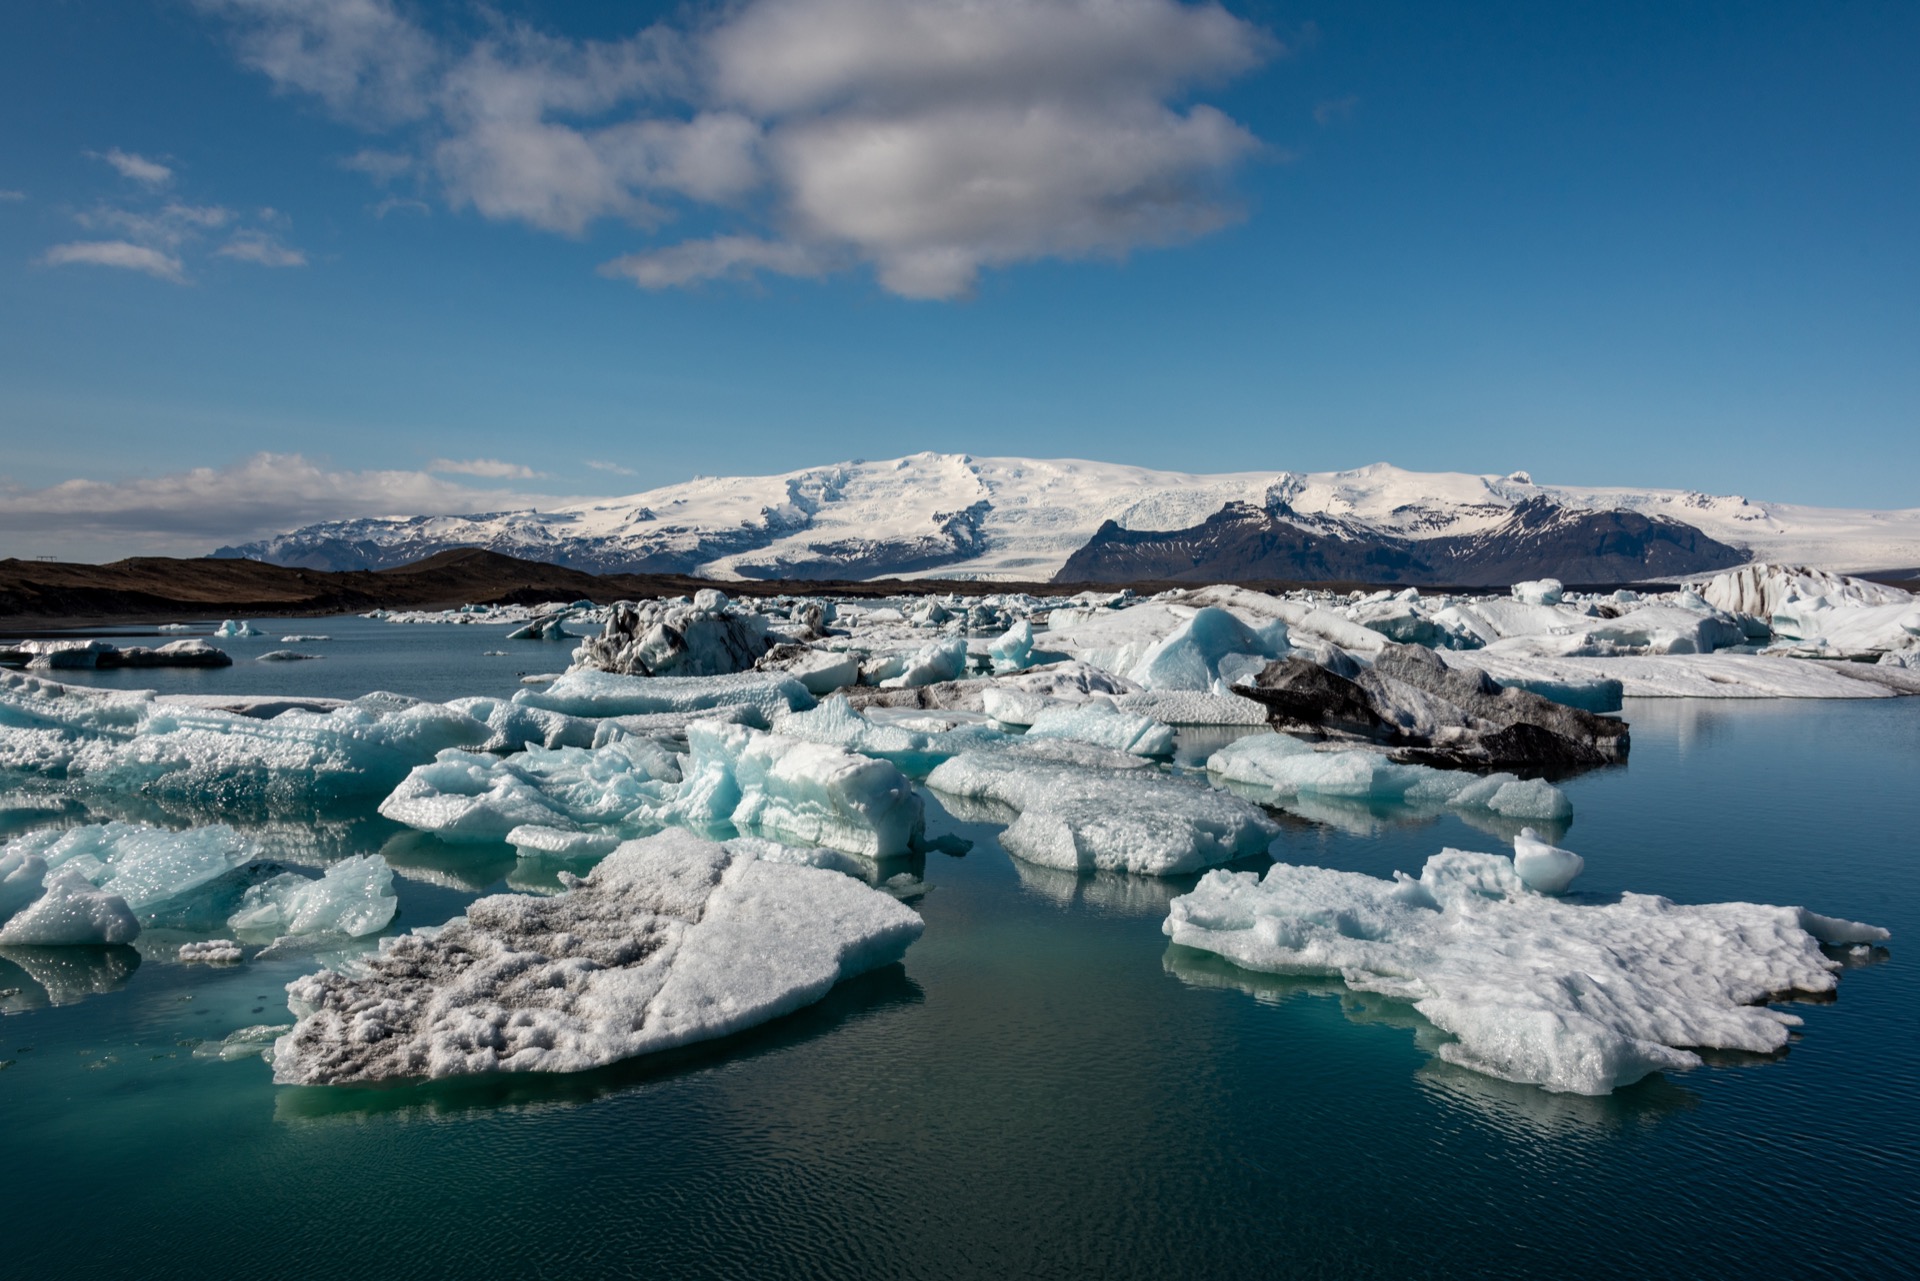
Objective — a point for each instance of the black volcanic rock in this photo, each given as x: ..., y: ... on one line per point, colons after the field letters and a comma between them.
x: 1539, y: 539
x: 1420, y: 711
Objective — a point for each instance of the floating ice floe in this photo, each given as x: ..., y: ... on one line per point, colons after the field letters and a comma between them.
x: 354, y: 898
x: 1679, y: 675
x: 146, y: 867
x: 914, y: 751
x: 211, y: 952
x: 473, y: 796
x: 1079, y: 818
x: 1105, y: 725
x: 670, y: 941
x: 733, y: 776
x: 134, y: 742
x: 1286, y: 766
x: 237, y: 628
x: 285, y: 656
x: 604, y: 694
x: 1578, y: 997
x: 792, y: 789
x: 701, y: 637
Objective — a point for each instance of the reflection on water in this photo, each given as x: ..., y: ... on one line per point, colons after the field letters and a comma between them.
x: 469, y: 867
x: 1523, y: 1110
x: 1360, y: 816
x: 34, y: 978
x: 866, y: 996
x: 1108, y: 891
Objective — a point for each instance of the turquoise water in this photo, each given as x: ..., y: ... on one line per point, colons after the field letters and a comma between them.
x: 1044, y: 1088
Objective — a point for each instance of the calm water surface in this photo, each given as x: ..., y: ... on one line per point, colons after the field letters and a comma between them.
x: 1044, y: 1088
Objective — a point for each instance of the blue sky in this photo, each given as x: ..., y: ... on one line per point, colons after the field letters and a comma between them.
x: 446, y: 256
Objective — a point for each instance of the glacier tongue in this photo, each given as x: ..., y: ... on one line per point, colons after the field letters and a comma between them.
x: 1578, y: 997
x: 671, y: 940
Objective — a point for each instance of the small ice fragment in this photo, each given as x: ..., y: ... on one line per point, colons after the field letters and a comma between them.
x: 211, y: 952
x: 1544, y: 867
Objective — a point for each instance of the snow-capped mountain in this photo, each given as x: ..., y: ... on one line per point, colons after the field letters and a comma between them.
x: 955, y: 515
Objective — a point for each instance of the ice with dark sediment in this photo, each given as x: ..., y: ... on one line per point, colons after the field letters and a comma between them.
x: 671, y: 940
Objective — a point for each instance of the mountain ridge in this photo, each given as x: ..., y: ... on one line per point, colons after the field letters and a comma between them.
x: 962, y: 516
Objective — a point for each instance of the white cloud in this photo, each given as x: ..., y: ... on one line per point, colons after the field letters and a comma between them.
x: 140, y: 169
x: 490, y: 467
x: 8, y: 196
x: 599, y: 464
x: 264, y: 494
x: 721, y: 257
x: 117, y: 253
x: 152, y: 233
x: 400, y: 204
x: 927, y: 139
x: 362, y: 58
x: 260, y: 248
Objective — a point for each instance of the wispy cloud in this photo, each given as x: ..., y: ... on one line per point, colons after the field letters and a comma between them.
x: 140, y: 169
x: 264, y: 494
x: 117, y: 253
x: 152, y: 231
x: 9, y: 196
x: 599, y: 464
x: 259, y: 247
x: 400, y: 204
x: 489, y: 467
x: 928, y: 140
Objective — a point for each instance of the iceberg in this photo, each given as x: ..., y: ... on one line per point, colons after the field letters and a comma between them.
x: 701, y: 637
x: 1013, y: 651
x: 236, y: 628
x: 472, y: 796
x: 788, y: 788
x: 1103, y: 724
x: 913, y: 751
x: 1576, y: 997
x: 1287, y: 766
x: 66, y: 910
x: 602, y: 694
x: 211, y: 952
x: 1089, y: 819
x: 145, y: 867
x: 671, y: 941
x: 354, y: 897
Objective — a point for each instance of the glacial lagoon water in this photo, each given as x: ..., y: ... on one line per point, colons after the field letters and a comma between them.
x: 1044, y: 1088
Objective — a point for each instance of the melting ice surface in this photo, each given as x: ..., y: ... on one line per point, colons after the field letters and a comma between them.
x: 1043, y: 1056
x: 1574, y: 996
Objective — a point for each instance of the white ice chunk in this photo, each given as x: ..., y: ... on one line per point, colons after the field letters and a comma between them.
x: 211, y: 952
x: 914, y: 751
x: 789, y: 788
x: 1079, y: 818
x: 1287, y: 766
x: 594, y: 693
x: 1193, y: 656
x: 71, y: 912
x: 1013, y: 651
x: 1544, y: 867
x: 1105, y: 725
x: 144, y: 866
x: 670, y: 941
x: 234, y: 627
x: 937, y: 661
x: 1576, y: 997
x: 1541, y: 591
x: 355, y: 897
x: 471, y: 796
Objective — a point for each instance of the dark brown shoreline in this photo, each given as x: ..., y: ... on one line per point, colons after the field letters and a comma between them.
x: 37, y: 596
